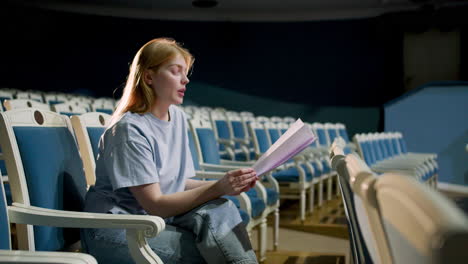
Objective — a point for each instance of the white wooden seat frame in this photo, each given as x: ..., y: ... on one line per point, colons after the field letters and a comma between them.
x: 138, y: 227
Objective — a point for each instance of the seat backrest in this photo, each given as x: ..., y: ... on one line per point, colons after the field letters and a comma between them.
x: 319, y: 130
x: 5, y: 242
x: 68, y: 109
x: 5, y: 95
x: 103, y: 105
x: 24, y: 103
x: 31, y: 95
x: 422, y: 225
x: 331, y: 132
x: 362, y: 180
x: 273, y: 131
x: 260, y: 137
x: 342, y: 131
x: 205, y: 140
x: 44, y: 170
x: 359, y: 249
x: 51, y: 99
x: 193, y: 150
x: 221, y: 127
x: 88, y: 129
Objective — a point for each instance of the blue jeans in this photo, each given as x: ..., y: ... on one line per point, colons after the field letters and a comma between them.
x: 210, y: 233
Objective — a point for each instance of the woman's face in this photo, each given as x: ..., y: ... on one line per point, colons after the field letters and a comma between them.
x: 169, y: 81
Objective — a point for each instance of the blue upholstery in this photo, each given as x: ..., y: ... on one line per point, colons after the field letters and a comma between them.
x: 395, y: 144
x: 94, y: 134
x: 326, y: 167
x: 104, y: 110
x: 317, y: 170
x: 290, y: 175
x: 403, y: 145
x: 223, y: 132
x: 52, y: 167
x: 258, y: 206
x: 9, y: 199
x: 4, y: 222
x: 343, y: 134
x: 382, y: 146
x: 262, y: 140
x: 272, y: 196
x: 68, y: 113
x: 53, y: 102
x: 208, y: 145
x: 322, y: 137
x: 244, y: 216
x: 238, y: 130
x: 222, y: 128
x: 274, y: 134
x: 193, y: 151
x: 389, y: 147
x: 3, y: 166
x: 332, y: 134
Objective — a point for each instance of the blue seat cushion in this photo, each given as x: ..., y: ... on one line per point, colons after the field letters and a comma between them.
x: 291, y: 175
x: 258, y: 206
x: 326, y: 167
x: 272, y: 196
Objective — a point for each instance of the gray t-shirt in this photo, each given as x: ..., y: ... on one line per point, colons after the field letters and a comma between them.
x: 140, y: 149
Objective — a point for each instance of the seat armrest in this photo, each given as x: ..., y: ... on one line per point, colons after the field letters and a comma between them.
x: 209, y: 174
x: 24, y: 214
x: 237, y: 163
x: 24, y: 256
x: 215, y: 167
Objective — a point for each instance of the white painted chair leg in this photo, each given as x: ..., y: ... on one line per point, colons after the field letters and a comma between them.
x: 262, y: 240
x: 320, y: 193
x: 338, y: 192
x: 302, y: 205
x: 276, y: 230
x: 311, y: 198
x: 329, y: 187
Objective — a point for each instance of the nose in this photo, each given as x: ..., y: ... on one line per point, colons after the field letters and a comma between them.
x: 185, y: 80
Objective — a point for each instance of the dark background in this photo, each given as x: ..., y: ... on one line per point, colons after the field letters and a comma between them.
x: 343, y: 63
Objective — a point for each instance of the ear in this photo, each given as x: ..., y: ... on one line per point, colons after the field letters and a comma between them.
x: 147, y: 77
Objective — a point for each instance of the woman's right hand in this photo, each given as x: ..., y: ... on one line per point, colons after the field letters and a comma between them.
x: 237, y: 181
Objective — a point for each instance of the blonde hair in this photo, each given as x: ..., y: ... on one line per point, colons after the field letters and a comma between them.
x: 137, y: 96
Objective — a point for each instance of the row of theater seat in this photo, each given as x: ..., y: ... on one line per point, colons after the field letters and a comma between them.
x: 57, y: 102
x: 394, y: 217
x: 48, y: 186
x: 387, y: 151
x: 221, y: 140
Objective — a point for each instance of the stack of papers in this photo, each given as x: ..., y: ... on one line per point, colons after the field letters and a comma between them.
x: 294, y: 140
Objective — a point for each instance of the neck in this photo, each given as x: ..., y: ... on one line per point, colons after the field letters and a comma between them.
x: 161, y: 111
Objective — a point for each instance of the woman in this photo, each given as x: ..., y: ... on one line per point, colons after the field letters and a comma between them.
x: 144, y: 167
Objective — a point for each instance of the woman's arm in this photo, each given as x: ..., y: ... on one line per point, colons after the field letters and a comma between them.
x: 192, y: 183
x: 150, y: 197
